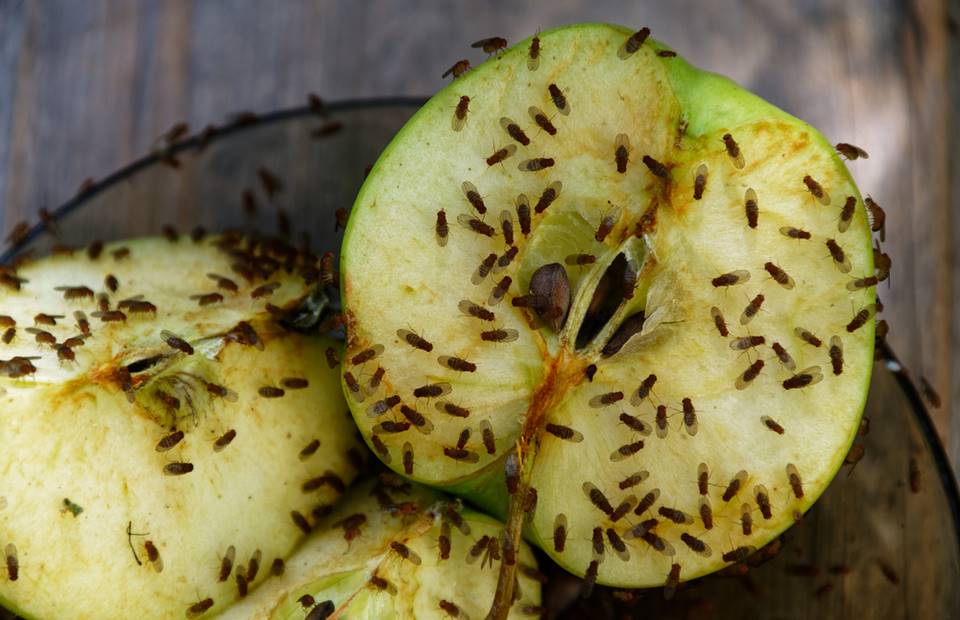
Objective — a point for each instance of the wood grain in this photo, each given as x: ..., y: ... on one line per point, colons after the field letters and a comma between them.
x: 86, y: 87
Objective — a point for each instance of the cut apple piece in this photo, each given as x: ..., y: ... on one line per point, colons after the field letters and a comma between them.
x: 155, y: 417
x: 392, y: 549
x: 624, y: 332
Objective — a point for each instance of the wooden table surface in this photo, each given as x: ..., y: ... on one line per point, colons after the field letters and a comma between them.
x: 87, y: 86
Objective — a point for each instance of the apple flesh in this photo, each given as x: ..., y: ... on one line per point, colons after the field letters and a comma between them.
x: 622, y: 286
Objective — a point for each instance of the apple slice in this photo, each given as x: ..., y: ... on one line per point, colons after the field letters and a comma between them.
x: 153, y: 416
x: 622, y: 286
x: 390, y: 550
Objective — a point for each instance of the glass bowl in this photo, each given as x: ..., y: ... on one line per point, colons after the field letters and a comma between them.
x: 881, y: 542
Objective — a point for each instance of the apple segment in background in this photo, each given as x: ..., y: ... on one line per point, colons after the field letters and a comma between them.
x: 152, y: 417
x: 392, y: 549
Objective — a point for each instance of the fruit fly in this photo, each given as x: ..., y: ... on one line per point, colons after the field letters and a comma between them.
x: 747, y: 342
x: 861, y: 283
x: 656, y: 168
x: 224, y: 440
x: 514, y: 131
x: 490, y: 45
x: 634, y: 424
x: 861, y: 317
x: 733, y: 150
x: 706, y: 513
x: 793, y: 476
x: 772, y: 424
x: 719, y: 321
x: 499, y: 335
x: 877, y: 216
x: 807, y: 337
x: 473, y: 197
x: 207, y: 299
x: 751, y: 310
x: 836, y: 354
x: 703, y: 479
x: 607, y: 223
x: 661, y: 420
x: 580, y: 259
x: 732, y: 278
x: 478, y: 226
x: 432, y: 390
x: 763, y: 501
x: 523, y: 214
x: 737, y: 555
x: 748, y: 375
x: 169, y: 441
x: 700, y: 181
x: 506, y: 226
x: 382, y: 406
x: 672, y: 514
x: 621, y: 152
x: 177, y: 469
x: 646, y: 502
x: 794, y: 233
x: 751, y: 208
x: 846, y: 214
x: 482, y: 270
x: 548, y: 196
x: 633, y: 480
x: 597, y: 498
x: 499, y: 290
x: 501, y: 154
x: 542, y: 120
x: 560, y: 533
x: 746, y: 520
x: 851, y: 151
x: 536, y: 164
x: 633, y: 43
x: 224, y: 283
x: 75, y: 292
x: 533, y: 54
x: 779, y: 275
x: 734, y: 486
x: 619, y: 547
x: 12, y: 562
x: 689, y: 416
x: 605, y: 399
x: 366, y: 355
x: 559, y: 99
x: 816, y: 189
x: 457, y: 69
x: 476, y: 311
x: 806, y: 377
x: 442, y: 228
x: 695, y: 544
x: 300, y: 521
x: 200, y: 607
x: 450, y: 608
x: 840, y: 259
x: 414, y: 340
x: 269, y: 391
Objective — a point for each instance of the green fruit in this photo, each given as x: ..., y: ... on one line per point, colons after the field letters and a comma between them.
x: 394, y: 550
x: 582, y: 320
x: 130, y: 467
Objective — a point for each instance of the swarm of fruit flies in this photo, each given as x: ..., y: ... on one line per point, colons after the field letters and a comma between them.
x: 626, y: 523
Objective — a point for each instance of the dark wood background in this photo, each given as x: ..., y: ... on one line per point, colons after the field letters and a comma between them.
x: 86, y: 86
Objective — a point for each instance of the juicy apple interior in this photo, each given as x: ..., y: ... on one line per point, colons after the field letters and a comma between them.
x: 617, y: 293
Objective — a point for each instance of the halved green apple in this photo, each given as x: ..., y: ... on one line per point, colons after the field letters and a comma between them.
x: 621, y: 284
x: 390, y: 550
x: 154, y: 419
